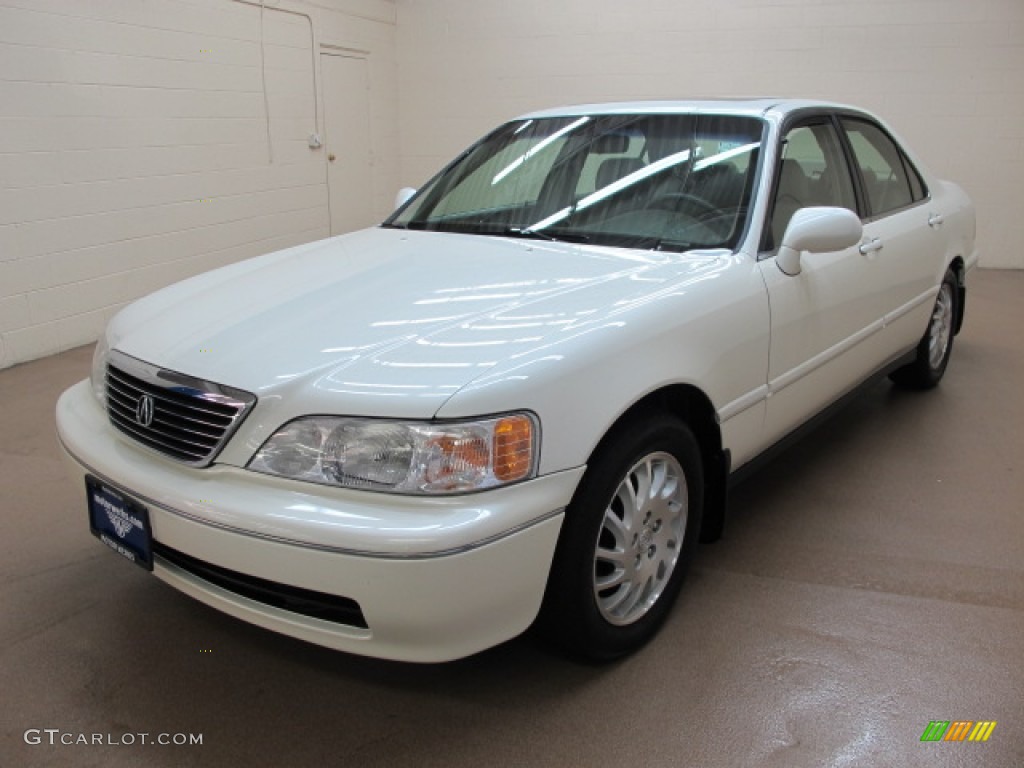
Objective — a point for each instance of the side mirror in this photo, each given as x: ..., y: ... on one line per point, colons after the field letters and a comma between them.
x: 403, y: 196
x: 817, y: 230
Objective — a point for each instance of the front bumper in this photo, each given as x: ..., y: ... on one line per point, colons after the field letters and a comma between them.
x: 436, y: 578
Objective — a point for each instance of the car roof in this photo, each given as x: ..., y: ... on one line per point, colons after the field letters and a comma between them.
x: 760, y: 107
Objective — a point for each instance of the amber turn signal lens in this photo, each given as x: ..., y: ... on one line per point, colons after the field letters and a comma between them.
x: 513, y: 448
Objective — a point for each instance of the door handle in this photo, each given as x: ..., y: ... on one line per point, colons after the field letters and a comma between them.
x: 871, y: 246
x: 935, y: 220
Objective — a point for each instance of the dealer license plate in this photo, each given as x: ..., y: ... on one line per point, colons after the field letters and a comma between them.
x: 120, y: 522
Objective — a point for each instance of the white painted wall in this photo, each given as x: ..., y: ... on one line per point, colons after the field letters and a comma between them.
x: 133, y: 146
x: 947, y: 74
x: 134, y: 149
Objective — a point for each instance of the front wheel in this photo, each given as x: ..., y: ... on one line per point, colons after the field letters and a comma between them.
x: 627, y: 540
x: 933, y: 351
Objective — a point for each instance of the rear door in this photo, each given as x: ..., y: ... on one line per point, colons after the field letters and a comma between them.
x: 903, y: 235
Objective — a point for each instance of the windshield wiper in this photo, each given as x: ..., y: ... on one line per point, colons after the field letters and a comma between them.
x: 466, y: 228
x: 539, y: 234
x: 666, y: 244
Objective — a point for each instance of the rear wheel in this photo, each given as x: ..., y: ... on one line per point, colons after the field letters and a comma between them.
x: 933, y: 351
x: 628, y: 537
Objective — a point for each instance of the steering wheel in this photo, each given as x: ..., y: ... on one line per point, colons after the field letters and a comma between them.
x: 672, y: 200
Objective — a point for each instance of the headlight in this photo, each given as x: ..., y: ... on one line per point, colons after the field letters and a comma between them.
x: 403, y: 457
x: 98, y: 376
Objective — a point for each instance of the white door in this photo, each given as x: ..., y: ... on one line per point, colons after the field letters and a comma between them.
x: 826, y: 322
x: 349, y: 154
x: 902, y: 224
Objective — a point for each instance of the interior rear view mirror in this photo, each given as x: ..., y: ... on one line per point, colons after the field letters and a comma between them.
x: 403, y: 196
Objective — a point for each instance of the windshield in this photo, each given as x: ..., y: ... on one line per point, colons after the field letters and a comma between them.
x: 670, y: 182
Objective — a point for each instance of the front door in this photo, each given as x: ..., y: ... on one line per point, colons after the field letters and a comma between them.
x: 826, y: 321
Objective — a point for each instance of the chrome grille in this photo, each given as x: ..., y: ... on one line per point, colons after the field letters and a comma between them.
x: 179, y: 416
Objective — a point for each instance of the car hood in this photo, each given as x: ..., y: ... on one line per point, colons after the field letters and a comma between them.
x: 384, y: 322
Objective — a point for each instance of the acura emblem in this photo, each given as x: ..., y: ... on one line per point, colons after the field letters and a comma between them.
x: 144, y: 411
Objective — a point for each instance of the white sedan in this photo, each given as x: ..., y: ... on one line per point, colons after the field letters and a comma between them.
x: 522, y: 398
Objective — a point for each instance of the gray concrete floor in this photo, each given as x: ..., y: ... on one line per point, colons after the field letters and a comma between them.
x: 871, y: 579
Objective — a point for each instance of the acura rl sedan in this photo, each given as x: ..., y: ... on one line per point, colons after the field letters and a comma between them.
x: 521, y: 399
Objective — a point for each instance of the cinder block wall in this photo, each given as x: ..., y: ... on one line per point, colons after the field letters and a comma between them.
x: 134, y: 147
x: 947, y: 74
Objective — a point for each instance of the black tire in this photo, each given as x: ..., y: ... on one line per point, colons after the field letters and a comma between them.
x: 935, y: 347
x: 597, y: 624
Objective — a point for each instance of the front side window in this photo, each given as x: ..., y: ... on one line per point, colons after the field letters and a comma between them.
x: 670, y: 182
x: 813, y: 172
x: 890, y: 181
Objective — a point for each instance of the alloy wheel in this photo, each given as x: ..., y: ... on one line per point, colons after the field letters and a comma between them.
x: 941, y: 328
x: 640, y: 539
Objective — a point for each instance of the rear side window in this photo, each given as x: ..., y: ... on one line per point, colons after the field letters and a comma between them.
x: 890, y: 181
